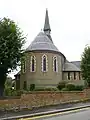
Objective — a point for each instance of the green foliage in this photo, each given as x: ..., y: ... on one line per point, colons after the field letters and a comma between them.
x: 19, y: 92
x: 65, y: 89
x: 70, y: 87
x: 39, y: 89
x: 8, y: 82
x: 79, y: 87
x: 61, y: 85
x: 85, y: 65
x: 10, y: 92
x: 85, y: 84
x: 32, y: 87
x: 46, y: 89
x: 11, y: 42
x: 7, y: 91
x: 51, y: 89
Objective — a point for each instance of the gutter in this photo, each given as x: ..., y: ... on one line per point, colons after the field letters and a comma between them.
x: 45, y: 113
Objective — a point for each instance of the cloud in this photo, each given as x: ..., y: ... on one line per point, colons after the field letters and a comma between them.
x: 69, y: 20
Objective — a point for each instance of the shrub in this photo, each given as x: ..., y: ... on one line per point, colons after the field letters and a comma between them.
x: 85, y: 84
x: 7, y: 91
x: 10, y: 92
x: 19, y: 92
x: 64, y: 89
x: 46, y: 89
x: 51, y: 89
x: 39, y: 89
x: 61, y: 85
x: 70, y: 87
x: 79, y: 87
x: 32, y: 87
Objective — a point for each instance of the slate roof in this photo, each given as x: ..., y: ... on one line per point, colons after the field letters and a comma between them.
x: 77, y: 63
x: 42, y: 42
x: 68, y: 66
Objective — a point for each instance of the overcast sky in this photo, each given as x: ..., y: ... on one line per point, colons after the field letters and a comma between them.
x: 69, y: 21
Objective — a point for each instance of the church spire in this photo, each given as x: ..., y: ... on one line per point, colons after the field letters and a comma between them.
x: 47, y: 28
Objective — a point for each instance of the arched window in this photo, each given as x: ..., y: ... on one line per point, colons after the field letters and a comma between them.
x: 33, y: 64
x: 44, y: 63
x: 55, y: 65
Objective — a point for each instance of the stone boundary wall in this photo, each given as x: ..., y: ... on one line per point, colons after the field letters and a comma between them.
x: 37, y: 99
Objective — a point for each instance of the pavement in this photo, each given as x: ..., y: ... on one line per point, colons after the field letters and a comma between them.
x: 42, y: 111
x: 70, y: 115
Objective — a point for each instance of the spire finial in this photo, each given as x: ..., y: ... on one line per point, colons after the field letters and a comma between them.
x: 47, y: 25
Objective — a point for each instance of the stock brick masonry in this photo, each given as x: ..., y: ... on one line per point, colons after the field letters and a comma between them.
x: 36, y: 99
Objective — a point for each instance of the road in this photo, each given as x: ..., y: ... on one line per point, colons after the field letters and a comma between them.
x: 60, y: 116
x: 80, y: 115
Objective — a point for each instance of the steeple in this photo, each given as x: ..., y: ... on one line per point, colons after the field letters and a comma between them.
x: 47, y: 28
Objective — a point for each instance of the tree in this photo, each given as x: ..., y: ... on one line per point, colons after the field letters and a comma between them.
x: 9, y: 84
x: 11, y: 43
x: 85, y: 65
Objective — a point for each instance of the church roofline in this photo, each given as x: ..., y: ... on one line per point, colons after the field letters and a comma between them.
x: 49, y: 51
x: 46, y: 24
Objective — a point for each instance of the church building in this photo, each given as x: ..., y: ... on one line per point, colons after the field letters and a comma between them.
x: 44, y: 65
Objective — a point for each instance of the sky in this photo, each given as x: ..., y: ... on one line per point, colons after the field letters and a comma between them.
x: 69, y: 22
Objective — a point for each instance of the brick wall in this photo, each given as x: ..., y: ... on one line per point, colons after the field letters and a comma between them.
x: 49, y: 98
x: 36, y: 99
